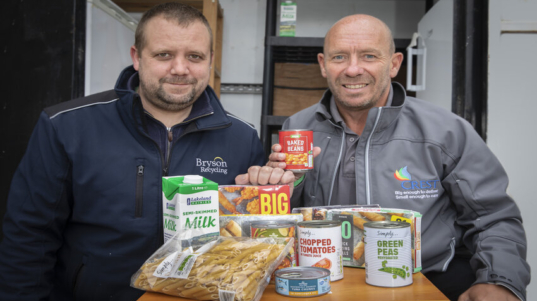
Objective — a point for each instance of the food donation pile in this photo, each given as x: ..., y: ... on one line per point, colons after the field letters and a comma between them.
x: 232, y: 248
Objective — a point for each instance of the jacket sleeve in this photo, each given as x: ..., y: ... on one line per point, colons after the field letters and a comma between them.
x: 37, y: 210
x: 491, y: 219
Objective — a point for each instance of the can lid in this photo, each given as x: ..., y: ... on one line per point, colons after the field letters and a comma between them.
x: 302, y: 273
x: 272, y: 224
x: 320, y: 224
x: 294, y: 130
x: 386, y: 225
x: 193, y: 179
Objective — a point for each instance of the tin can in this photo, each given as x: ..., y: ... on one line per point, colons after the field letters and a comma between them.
x: 276, y: 228
x: 302, y: 281
x: 297, y: 145
x: 388, y: 258
x: 319, y: 245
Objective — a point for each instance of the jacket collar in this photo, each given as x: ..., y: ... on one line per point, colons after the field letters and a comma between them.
x: 211, y: 113
x: 389, y: 114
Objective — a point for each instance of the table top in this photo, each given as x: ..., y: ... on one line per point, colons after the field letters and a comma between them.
x: 351, y: 287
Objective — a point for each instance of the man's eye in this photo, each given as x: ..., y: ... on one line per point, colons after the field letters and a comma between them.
x: 163, y: 55
x: 369, y: 56
x: 195, y: 57
x: 338, y: 57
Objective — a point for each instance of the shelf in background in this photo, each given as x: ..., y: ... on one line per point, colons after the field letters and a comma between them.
x: 272, y: 120
x: 318, y: 42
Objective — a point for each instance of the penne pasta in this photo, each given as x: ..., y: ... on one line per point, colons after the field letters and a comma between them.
x: 208, y: 297
x: 167, y: 281
x: 173, y: 286
x: 234, y: 265
x: 189, y: 293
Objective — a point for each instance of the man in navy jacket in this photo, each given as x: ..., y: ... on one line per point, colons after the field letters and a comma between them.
x: 85, y: 205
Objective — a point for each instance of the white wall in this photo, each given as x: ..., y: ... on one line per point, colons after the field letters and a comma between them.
x: 512, y: 103
x: 436, y: 32
x: 315, y: 17
x: 242, y: 55
x: 244, y: 36
x: 108, y: 41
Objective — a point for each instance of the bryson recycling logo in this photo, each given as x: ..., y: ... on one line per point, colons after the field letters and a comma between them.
x: 414, y: 189
x: 216, y: 165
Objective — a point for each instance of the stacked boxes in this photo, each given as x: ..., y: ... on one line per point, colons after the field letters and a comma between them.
x: 256, y: 211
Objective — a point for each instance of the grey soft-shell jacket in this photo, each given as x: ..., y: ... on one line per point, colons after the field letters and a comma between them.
x: 415, y: 155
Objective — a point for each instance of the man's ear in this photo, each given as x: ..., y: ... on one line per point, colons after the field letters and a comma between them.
x: 212, y: 59
x: 395, y: 64
x: 320, y: 59
x: 135, y: 58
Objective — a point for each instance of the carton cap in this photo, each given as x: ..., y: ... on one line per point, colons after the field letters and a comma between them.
x: 193, y: 179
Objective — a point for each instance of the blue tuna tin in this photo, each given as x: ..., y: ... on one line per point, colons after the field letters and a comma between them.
x: 302, y: 281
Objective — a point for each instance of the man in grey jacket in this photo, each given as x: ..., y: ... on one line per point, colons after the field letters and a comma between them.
x: 381, y: 147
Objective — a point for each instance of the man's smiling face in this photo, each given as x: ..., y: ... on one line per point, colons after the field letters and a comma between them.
x: 174, y: 66
x: 358, y: 63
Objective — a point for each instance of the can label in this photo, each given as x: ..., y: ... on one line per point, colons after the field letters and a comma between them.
x: 388, y: 258
x: 297, y: 145
x: 321, y: 247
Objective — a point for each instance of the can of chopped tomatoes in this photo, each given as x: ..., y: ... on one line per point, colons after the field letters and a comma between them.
x: 320, y: 245
x: 297, y: 145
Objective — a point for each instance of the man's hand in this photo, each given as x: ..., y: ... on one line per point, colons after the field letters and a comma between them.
x: 488, y: 292
x: 266, y: 175
x: 277, y: 159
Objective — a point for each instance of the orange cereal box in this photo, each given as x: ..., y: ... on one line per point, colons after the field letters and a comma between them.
x: 253, y: 199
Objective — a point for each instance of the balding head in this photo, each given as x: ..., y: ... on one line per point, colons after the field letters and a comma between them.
x: 359, y: 61
x: 364, y: 24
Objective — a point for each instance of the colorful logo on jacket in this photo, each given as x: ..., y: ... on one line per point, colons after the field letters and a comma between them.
x: 402, y: 174
x: 407, y: 183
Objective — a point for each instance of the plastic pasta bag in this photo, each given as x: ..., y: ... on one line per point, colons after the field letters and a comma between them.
x: 229, y: 268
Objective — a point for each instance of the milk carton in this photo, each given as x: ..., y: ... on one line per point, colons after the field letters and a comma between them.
x: 190, y: 202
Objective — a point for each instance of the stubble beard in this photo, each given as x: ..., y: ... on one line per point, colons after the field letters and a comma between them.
x: 363, y: 104
x: 158, y: 97
x: 344, y: 101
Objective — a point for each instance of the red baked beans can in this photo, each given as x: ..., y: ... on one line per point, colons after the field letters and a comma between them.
x: 297, y: 145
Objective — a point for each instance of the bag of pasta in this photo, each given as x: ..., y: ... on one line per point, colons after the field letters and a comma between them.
x: 229, y: 268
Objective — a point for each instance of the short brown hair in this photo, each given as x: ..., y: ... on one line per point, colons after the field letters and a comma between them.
x: 183, y: 14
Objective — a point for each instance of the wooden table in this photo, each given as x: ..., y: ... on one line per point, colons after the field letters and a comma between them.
x: 352, y: 287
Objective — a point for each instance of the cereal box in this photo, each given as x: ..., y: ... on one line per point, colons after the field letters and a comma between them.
x: 252, y: 199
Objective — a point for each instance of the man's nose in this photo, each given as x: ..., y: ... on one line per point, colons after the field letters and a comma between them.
x: 354, y: 68
x: 179, y: 66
